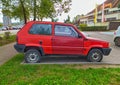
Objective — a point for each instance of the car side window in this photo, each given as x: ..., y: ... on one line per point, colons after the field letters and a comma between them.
x: 41, y: 29
x: 65, y: 31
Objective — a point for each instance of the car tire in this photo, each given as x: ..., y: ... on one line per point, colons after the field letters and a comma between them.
x: 117, y: 41
x: 32, y: 56
x: 95, y: 55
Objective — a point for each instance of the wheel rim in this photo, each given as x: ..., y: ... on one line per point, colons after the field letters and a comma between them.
x: 33, y: 57
x: 95, y: 56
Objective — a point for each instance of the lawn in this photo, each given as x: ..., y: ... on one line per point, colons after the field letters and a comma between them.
x: 15, y: 73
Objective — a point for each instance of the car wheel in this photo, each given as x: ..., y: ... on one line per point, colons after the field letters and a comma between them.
x: 32, y: 56
x: 95, y: 55
x: 117, y: 42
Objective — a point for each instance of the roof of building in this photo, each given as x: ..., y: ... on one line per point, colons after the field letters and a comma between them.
x: 114, y: 3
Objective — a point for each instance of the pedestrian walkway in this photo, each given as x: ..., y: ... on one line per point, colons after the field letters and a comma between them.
x: 7, y: 52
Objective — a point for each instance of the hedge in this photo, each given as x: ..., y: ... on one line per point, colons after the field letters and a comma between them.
x: 94, y: 28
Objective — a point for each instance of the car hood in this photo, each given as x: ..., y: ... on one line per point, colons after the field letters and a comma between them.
x: 97, y: 42
x: 95, y: 39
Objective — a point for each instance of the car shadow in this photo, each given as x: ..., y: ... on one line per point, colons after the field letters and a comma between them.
x: 61, y: 59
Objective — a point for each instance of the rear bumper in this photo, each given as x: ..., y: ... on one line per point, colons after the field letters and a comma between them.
x: 106, y: 51
x: 20, y: 48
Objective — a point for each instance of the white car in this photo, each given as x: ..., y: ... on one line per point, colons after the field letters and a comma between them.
x: 117, y: 37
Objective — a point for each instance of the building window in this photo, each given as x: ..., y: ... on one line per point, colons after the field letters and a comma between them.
x: 111, y: 19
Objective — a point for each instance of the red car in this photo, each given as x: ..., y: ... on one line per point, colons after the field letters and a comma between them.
x: 37, y: 39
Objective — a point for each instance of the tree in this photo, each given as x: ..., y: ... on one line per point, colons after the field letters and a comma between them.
x: 45, y: 9
x: 15, y: 9
x: 76, y: 19
x: 34, y: 10
x: 23, y: 10
x: 118, y: 5
x: 1, y: 24
x: 67, y: 20
x: 61, y: 6
x: 39, y: 9
x: 51, y: 8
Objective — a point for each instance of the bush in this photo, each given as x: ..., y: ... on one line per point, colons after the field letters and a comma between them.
x: 4, y: 41
x: 1, y: 38
x: 83, y: 25
x: 94, y: 28
x: 7, y: 35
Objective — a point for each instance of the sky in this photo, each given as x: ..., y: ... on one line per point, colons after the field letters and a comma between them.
x: 78, y: 7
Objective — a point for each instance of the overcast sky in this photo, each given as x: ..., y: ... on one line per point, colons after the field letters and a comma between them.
x: 81, y: 7
x: 78, y: 7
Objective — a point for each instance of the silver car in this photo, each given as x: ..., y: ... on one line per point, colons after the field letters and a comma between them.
x: 117, y: 37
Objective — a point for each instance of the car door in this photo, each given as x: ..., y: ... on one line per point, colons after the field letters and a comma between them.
x: 66, y: 41
x: 40, y: 34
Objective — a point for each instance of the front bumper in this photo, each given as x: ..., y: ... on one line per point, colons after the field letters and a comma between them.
x: 106, y: 51
x: 20, y: 48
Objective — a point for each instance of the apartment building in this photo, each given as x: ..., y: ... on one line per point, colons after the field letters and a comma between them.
x: 106, y: 12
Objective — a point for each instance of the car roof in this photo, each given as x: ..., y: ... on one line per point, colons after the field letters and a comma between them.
x: 49, y: 22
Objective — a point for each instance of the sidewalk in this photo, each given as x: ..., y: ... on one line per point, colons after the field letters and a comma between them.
x: 7, y: 52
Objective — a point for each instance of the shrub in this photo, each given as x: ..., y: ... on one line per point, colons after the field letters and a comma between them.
x: 94, y: 28
x: 5, y: 41
x: 7, y: 35
x: 83, y: 25
x: 1, y: 38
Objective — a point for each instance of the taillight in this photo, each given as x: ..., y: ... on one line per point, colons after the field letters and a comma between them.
x: 16, y: 38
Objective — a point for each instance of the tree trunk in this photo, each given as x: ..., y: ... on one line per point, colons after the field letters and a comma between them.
x: 24, y: 11
x: 34, y: 10
x: 41, y: 19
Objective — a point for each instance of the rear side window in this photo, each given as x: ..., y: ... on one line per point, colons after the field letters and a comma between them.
x: 41, y: 29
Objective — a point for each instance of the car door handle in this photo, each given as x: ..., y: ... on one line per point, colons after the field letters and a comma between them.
x: 52, y: 39
x: 40, y: 42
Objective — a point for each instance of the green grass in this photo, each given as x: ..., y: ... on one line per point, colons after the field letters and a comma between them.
x: 14, y: 73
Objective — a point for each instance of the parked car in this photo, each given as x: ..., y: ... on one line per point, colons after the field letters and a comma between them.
x: 117, y: 37
x: 37, y: 39
x: 6, y: 28
x: 17, y: 27
x: 3, y: 28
